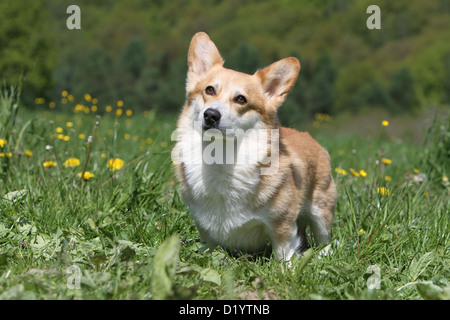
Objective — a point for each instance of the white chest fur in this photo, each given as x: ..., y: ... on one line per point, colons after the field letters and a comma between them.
x: 221, y: 194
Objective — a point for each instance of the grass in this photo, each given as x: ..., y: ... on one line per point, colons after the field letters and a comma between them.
x: 126, y: 234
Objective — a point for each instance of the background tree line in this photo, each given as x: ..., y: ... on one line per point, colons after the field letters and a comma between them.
x: 136, y: 50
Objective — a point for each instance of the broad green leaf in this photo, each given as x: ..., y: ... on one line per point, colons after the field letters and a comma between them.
x: 210, y: 275
x: 15, y: 196
x: 164, y: 267
x: 419, y: 264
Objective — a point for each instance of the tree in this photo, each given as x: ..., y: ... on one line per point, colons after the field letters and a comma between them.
x: 26, y: 41
x: 401, y: 89
x: 322, y: 92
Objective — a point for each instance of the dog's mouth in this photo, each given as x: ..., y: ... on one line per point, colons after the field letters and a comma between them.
x: 207, y: 127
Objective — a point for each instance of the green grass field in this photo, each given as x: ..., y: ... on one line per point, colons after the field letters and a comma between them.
x: 124, y: 232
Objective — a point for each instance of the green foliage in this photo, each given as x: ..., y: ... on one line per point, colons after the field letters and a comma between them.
x: 137, y: 52
x: 131, y: 237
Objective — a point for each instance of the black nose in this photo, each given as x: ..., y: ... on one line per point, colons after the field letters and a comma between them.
x: 212, y: 117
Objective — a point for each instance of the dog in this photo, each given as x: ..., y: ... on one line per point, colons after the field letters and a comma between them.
x: 246, y: 180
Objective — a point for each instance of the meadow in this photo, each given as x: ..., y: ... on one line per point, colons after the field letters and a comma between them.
x: 90, y: 209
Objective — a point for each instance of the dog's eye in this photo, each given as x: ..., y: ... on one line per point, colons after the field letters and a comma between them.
x: 210, y: 91
x: 240, y: 100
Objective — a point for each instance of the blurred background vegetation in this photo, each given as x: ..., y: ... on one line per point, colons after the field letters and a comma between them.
x: 136, y: 50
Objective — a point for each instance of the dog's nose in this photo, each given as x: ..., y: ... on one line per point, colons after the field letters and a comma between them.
x: 212, y: 117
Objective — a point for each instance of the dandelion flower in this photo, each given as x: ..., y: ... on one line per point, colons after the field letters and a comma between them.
x: 108, y: 108
x: 383, y: 191
x: 362, y: 173
x: 64, y: 93
x: 87, y: 97
x: 52, y: 104
x: 28, y: 153
x: 385, y: 123
x: 362, y: 231
x: 87, y: 175
x: 6, y: 155
x: 340, y: 171
x: 115, y: 164
x: 129, y: 113
x: 49, y: 164
x: 387, y: 178
x: 120, y: 103
x: 386, y: 161
x: 72, y: 162
x: 3, y: 142
x: 59, y: 130
x: 354, y: 173
x: 69, y: 124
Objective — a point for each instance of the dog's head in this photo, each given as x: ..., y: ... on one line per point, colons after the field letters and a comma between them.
x: 225, y: 99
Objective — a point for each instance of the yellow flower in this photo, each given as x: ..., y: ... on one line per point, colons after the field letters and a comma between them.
x: 129, y: 112
x: 386, y: 161
x: 353, y: 172
x: 120, y: 103
x: 81, y: 136
x: 59, y: 130
x: 362, y: 231
x: 119, y: 112
x: 340, y: 171
x: 87, y: 97
x: 387, y: 178
x: 72, y: 162
x: 115, y: 164
x: 3, y: 142
x: 52, y: 104
x: 64, y: 93
x: 383, y: 191
x: 87, y: 175
x: 384, y: 123
x: 69, y: 124
x: 70, y: 97
x: 6, y: 155
x: 49, y: 164
x: 108, y: 108
x: 94, y: 101
x: 362, y: 173
x: 39, y: 100
x: 127, y: 136
x: 444, y: 179
x: 28, y: 153
x: 94, y: 108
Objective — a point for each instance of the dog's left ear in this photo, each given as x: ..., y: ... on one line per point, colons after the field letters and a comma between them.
x: 278, y: 79
x: 202, y: 56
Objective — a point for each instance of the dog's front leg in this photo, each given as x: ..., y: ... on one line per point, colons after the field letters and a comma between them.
x: 286, y: 243
x: 210, y: 244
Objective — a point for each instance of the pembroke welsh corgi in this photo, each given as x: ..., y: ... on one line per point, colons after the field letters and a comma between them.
x: 246, y: 180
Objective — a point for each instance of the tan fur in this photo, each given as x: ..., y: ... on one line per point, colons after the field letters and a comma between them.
x: 302, y: 192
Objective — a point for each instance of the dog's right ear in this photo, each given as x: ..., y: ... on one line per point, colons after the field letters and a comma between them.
x: 202, y: 56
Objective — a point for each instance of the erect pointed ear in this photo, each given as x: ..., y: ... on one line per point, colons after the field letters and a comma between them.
x: 202, y: 56
x: 278, y: 79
